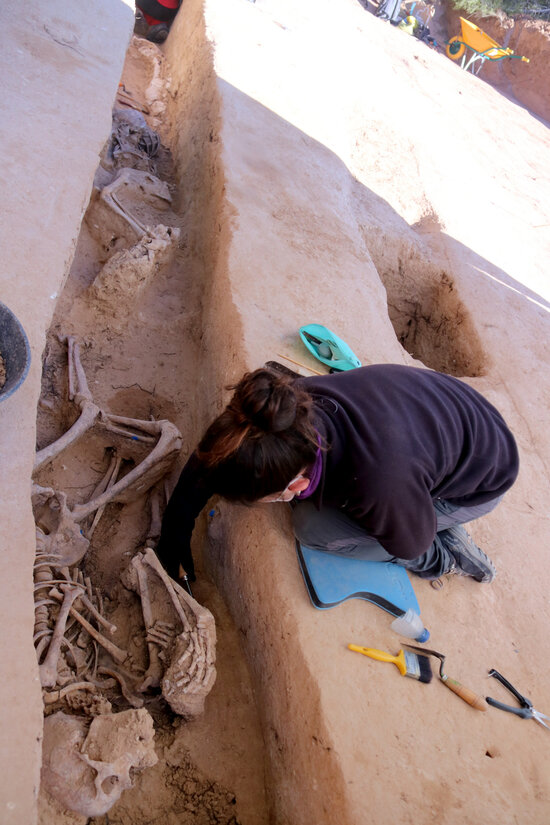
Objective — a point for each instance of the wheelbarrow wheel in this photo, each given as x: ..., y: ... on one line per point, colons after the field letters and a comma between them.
x: 455, y: 48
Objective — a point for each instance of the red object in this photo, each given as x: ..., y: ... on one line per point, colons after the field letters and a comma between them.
x: 167, y: 4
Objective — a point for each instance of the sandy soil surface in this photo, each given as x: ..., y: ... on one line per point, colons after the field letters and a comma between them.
x: 460, y: 277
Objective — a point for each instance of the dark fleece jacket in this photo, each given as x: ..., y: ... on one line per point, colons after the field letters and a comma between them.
x: 394, y: 439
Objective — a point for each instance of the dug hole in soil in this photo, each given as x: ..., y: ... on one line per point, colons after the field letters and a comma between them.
x: 138, y: 328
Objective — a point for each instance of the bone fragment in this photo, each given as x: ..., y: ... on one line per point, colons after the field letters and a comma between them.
x: 114, y: 468
x: 103, y: 484
x: 117, y: 653
x: 156, y: 498
x: 53, y: 696
x: 154, y: 672
x: 48, y: 669
x: 131, y: 697
x: 85, y: 601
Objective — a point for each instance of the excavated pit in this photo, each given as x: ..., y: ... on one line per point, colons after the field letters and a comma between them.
x: 433, y: 325
x: 429, y: 318
x: 134, y: 306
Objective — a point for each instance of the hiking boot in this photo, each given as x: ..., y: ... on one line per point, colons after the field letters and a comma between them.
x: 469, y: 560
x: 157, y: 33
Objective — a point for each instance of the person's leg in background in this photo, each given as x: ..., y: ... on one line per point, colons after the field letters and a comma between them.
x: 453, y: 551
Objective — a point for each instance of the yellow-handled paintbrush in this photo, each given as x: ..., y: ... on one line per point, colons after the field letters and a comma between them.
x: 408, y: 664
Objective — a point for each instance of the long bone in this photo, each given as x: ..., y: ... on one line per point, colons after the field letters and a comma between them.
x: 190, y: 656
x: 109, y: 197
x: 156, y: 498
x: 154, y: 672
x: 48, y: 669
x: 79, y: 392
x: 114, y: 468
x: 168, y: 443
x: 131, y: 697
x: 90, y: 607
x: 117, y: 653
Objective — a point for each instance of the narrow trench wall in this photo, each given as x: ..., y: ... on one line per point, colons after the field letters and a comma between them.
x: 56, y: 109
x: 295, y: 247
x: 248, y: 317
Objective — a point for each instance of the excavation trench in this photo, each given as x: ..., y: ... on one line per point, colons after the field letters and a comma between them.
x: 430, y: 319
x: 136, y: 307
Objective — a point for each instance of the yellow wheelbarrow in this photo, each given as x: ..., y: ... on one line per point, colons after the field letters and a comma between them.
x: 481, y: 46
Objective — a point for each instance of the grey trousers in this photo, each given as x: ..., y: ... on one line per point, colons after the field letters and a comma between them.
x: 332, y: 531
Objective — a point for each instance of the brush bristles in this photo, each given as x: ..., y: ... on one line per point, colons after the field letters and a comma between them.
x: 418, y: 667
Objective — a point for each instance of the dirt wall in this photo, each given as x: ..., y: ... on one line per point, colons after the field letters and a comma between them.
x: 347, y: 202
x: 60, y: 74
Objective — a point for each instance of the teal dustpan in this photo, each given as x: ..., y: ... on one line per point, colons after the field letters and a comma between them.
x: 328, y: 348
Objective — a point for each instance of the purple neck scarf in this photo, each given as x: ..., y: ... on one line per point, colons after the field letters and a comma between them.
x: 313, y: 473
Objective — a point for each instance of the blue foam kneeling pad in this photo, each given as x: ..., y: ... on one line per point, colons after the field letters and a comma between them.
x: 331, y: 579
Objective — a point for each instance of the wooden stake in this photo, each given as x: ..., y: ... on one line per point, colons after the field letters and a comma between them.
x: 292, y: 361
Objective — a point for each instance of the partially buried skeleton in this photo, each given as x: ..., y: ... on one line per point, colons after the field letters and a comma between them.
x: 86, y: 766
x: 180, y: 633
x: 78, y: 661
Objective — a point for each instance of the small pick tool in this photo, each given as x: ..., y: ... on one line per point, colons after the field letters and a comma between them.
x: 467, y: 695
x: 526, y: 711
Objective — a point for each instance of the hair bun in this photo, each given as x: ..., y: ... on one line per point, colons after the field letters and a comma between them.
x: 267, y: 401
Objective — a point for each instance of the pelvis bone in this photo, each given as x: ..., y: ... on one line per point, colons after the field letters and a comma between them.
x: 181, y: 636
x: 87, y: 769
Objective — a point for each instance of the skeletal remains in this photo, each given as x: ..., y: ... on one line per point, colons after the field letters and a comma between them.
x: 87, y: 764
x: 72, y: 636
x: 86, y: 767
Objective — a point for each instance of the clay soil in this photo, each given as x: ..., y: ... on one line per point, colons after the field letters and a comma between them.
x: 209, y: 770
x: 141, y: 361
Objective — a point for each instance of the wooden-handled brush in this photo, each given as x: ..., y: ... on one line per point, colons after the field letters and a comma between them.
x: 467, y: 695
x: 408, y: 664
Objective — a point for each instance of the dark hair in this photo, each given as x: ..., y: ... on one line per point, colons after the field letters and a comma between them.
x: 262, y: 439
